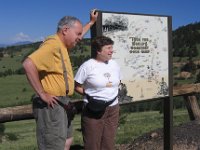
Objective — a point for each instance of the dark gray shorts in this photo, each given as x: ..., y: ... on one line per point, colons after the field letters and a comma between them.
x: 52, y: 128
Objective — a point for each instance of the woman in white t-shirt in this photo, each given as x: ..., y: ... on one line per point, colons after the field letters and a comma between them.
x: 98, y: 80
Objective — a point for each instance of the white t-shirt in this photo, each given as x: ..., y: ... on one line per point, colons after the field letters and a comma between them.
x: 100, y: 80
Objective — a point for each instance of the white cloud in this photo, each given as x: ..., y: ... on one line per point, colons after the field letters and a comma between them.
x: 21, y: 37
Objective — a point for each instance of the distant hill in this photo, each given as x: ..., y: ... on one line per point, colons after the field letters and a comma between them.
x: 21, y: 43
x: 16, y: 44
x: 17, y: 47
x: 3, y: 45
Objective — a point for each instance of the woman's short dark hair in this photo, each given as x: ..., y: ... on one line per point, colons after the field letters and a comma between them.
x: 98, y: 43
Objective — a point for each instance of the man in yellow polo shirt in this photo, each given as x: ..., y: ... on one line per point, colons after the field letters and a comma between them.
x: 45, y: 72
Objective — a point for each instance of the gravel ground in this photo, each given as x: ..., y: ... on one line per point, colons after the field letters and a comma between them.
x: 185, y: 137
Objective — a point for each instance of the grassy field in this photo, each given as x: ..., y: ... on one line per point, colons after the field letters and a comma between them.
x: 20, y: 135
x: 13, y: 62
x: 15, y: 90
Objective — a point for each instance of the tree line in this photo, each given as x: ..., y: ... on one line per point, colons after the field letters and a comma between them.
x: 186, y: 40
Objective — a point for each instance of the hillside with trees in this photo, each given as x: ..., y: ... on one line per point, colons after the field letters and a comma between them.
x: 186, y: 54
x: 186, y: 41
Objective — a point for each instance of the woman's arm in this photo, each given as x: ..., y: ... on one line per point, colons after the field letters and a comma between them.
x: 79, y: 88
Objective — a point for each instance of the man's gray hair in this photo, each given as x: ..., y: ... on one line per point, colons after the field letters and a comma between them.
x: 68, y: 21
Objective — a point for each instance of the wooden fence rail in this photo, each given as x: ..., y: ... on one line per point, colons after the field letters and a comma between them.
x: 188, y: 92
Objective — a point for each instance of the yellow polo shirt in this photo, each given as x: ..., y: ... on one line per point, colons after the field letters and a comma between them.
x: 48, y: 61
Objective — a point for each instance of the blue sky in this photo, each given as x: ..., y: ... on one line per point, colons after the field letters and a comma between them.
x: 32, y: 20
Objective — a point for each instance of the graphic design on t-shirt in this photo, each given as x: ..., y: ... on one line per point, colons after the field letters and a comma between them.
x: 108, y: 75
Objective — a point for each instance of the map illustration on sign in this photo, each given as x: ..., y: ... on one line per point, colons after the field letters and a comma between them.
x: 141, y: 48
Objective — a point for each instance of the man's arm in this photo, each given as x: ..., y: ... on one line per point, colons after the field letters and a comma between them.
x: 32, y: 75
x: 93, y: 18
x: 33, y: 78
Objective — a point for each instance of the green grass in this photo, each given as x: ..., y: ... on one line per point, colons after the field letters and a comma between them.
x: 24, y: 131
x: 132, y: 125
x: 14, y: 62
x: 14, y: 90
x: 137, y: 124
x: 177, y: 59
x: 10, y: 63
x: 186, y: 81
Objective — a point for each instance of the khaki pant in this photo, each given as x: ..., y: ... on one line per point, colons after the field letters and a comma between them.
x: 51, y: 125
x: 99, y: 134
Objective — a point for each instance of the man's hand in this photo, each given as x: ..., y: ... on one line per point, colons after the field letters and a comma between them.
x: 49, y: 99
x: 93, y: 16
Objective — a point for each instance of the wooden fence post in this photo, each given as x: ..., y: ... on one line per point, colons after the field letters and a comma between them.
x: 192, y: 107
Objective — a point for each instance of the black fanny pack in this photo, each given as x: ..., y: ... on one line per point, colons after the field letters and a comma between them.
x: 97, y: 106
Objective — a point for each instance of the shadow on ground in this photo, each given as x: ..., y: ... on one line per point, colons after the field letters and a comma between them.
x: 76, y: 147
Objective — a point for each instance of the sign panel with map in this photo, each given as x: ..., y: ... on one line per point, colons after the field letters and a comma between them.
x: 142, y: 49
